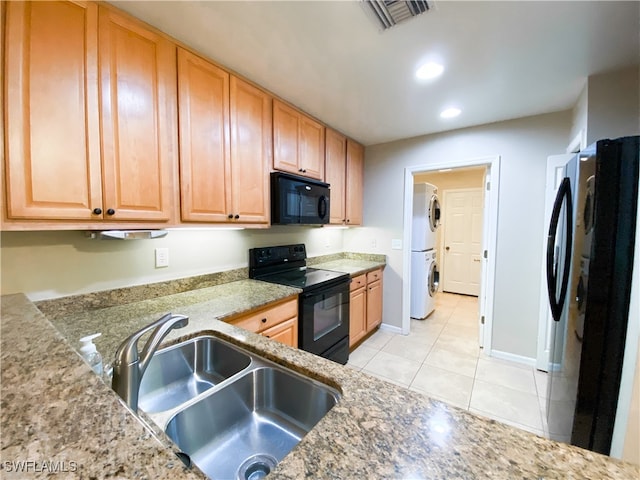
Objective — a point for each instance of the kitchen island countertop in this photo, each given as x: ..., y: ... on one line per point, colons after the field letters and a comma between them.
x: 55, y: 409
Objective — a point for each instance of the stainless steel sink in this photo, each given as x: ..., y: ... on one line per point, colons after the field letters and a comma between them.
x: 243, y: 429
x: 181, y: 372
x: 231, y: 412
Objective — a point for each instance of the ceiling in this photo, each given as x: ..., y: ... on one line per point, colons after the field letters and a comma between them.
x: 502, y: 60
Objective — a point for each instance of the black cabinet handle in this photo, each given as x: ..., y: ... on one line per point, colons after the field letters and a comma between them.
x: 111, y: 211
x: 97, y: 211
x: 300, y: 170
x: 237, y: 216
x: 264, y: 320
x: 230, y: 215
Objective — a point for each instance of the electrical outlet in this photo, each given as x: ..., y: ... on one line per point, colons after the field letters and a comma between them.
x: 162, y: 257
x: 374, y: 243
x: 396, y: 244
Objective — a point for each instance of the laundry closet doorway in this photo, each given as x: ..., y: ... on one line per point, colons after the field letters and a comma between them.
x: 487, y: 171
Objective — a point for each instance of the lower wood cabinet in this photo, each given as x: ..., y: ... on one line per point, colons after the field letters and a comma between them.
x: 365, y: 307
x: 277, y: 320
x: 285, y: 332
x: 374, y: 299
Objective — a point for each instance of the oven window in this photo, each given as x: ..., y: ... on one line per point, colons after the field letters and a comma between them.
x: 327, y: 314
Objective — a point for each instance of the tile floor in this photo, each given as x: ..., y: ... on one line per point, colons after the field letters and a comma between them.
x: 441, y: 358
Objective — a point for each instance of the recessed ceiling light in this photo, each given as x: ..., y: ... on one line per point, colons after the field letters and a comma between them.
x: 450, y: 112
x: 429, y: 70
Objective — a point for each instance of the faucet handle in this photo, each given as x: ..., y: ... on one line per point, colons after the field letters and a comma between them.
x: 127, y: 352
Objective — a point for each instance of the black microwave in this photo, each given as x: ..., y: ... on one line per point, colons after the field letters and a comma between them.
x: 298, y: 200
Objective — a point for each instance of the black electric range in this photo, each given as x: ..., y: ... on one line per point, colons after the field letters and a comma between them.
x: 323, y: 305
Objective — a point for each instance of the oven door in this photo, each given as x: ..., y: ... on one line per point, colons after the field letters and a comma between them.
x: 324, y: 317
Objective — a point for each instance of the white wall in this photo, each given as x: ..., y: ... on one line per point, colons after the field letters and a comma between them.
x: 614, y: 104
x: 54, y: 264
x: 523, y: 146
x: 579, y: 122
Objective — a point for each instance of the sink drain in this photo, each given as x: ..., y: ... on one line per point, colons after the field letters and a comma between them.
x: 256, y: 467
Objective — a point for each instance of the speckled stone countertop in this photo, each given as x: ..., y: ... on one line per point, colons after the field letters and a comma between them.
x: 58, y: 415
x: 202, y: 306
x: 55, y: 408
x: 352, y: 267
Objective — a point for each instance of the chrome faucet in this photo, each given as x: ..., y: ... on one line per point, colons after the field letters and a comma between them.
x: 129, y: 366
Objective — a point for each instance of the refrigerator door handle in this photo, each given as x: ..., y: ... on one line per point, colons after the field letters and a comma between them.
x: 557, y: 304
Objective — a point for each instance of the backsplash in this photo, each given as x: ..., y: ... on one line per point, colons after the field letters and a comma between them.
x: 60, y: 307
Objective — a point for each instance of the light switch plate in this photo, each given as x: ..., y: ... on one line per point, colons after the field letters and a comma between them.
x: 396, y: 244
x: 162, y: 257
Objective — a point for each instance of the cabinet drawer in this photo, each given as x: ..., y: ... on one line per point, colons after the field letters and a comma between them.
x: 358, y: 282
x: 373, y: 276
x: 285, y: 332
x: 267, y: 317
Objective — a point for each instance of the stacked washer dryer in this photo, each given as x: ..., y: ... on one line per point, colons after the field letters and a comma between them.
x: 424, y: 269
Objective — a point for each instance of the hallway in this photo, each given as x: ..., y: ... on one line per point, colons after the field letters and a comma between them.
x: 441, y: 358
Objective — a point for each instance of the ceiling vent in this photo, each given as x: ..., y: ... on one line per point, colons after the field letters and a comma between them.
x: 388, y: 13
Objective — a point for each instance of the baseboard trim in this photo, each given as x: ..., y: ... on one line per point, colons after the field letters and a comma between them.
x: 512, y: 357
x: 390, y: 328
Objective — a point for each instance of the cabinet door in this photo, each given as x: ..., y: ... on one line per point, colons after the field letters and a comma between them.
x: 285, y: 137
x: 138, y: 112
x: 52, y: 163
x: 285, y: 332
x: 203, y: 109
x: 374, y: 305
x: 335, y: 171
x: 311, y: 145
x: 355, y: 169
x: 357, y: 315
x: 251, y: 147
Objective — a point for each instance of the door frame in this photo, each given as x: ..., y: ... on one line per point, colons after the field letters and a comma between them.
x: 445, y: 194
x: 490, y: 237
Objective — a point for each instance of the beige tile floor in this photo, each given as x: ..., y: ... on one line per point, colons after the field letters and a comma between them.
x: 441, y: 358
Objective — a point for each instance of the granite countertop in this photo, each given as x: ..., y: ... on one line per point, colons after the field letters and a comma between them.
x: 352, y: 267
x: 55, y: 409
x: 201, y: 306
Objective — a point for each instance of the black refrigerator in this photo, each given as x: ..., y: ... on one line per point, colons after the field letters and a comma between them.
x: 590, y: 250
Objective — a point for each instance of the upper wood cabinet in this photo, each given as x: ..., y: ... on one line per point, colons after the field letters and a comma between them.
x: 205, y: 162
x: 87, y: 141
x: 138, y: 106
x: 225, y: 145
x: 336, y: 174
x: 52, y: 163
x: 298, y: 142
x: 251, y: 151
x: 355, y: 181
x: 344, y: 172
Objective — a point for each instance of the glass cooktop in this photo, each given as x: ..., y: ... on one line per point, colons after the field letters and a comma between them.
x: 303, y: 278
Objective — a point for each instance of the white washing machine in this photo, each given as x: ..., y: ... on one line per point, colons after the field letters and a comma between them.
x: 426, y: 217
x: 424, y: 283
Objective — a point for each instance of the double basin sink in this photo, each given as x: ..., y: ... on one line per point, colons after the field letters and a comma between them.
x: 231, y: 412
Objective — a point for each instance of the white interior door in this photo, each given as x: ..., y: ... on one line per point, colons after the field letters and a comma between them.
x: 555, y: 167
x: 463, y: 219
